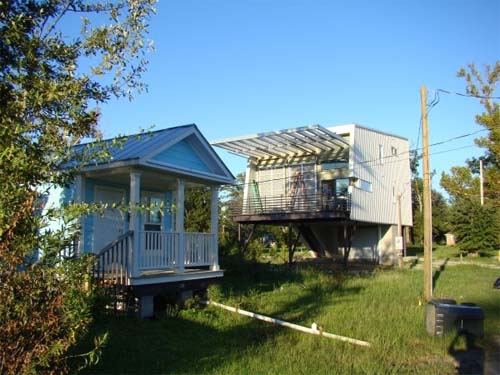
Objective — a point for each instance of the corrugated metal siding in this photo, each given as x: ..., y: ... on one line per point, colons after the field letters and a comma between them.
x: 389, y: 177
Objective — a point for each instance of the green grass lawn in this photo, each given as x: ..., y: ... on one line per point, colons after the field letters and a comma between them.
x: 381, y: 307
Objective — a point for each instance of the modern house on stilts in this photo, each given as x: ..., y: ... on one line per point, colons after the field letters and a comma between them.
x: 344, y: 188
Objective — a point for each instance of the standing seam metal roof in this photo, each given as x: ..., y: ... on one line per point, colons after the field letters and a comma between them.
x: 139, y: 145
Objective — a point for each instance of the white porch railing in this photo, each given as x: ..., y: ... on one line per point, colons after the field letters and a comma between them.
x: 199, y: 249
x: 159, y: 250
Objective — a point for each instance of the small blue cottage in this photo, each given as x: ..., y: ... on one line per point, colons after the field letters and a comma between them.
x: 148, y: 249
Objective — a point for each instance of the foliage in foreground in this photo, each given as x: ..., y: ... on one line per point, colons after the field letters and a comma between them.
x: 50, y: 80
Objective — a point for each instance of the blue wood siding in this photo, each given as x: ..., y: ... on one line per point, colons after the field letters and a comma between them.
x: 88, y: 221
x: 183, y: 155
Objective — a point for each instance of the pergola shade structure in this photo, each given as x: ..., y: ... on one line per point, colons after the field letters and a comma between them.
x: 282, y: 182
x: 278, y: 146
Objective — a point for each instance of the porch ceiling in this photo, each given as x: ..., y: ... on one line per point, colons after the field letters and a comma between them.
x: 150, y: 179
x: 312, y: 140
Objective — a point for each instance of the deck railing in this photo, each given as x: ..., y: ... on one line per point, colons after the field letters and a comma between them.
x: 283, y: 204
x: 199, y: 249
x: 159, y: 250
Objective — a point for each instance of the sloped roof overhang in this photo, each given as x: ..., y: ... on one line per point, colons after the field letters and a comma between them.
x: 312, y: 140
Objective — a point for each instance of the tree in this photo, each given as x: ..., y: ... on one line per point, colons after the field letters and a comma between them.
x: 476, y: 226
x: 231, y: 197
x: 440, y: 223
x: 483, y: 86
x: 197, y: 209
x: 51, y: 84
x: 460, y: 184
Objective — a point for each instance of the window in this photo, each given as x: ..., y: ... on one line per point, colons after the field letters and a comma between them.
x: 341, y: 187
x: 154, y: 211
x: 394, y: 151
x: 381, y: 154
x: 363, y: 185
x: 334, y: 165
x: 335, y: 188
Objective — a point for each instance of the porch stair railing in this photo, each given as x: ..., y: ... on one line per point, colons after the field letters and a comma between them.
x: 112, y: 271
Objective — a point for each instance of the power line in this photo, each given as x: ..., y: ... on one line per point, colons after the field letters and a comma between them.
x: 451, y: 149
x: 468, y: 95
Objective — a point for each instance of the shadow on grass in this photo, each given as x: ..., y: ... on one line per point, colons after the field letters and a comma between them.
x: 438, y: 272
x: 173, y: 345
x: 201, y: 341
x: 470, y: 359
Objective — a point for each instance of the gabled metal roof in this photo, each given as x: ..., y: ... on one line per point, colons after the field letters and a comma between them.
x: 312, y: 140
x: 138, y: 149
x: 137, y: 146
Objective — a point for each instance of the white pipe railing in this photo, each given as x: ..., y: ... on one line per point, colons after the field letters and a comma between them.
x: 159, y: 250
x: 313, y: 330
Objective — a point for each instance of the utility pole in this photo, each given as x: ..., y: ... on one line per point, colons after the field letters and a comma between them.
x: 399, y: 239
x: 481, y: 179
x: 427, y: 198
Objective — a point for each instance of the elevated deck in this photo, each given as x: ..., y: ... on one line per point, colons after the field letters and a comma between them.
x: 281, y: 209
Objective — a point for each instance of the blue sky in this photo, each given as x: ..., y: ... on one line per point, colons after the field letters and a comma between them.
x: 249, y: 66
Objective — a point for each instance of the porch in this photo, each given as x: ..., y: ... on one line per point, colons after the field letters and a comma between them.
x: 161, y: 257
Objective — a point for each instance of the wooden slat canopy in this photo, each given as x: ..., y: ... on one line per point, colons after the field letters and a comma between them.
x: 312, y: 140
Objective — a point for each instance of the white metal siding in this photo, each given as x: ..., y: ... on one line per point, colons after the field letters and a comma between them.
x: 389, y: 176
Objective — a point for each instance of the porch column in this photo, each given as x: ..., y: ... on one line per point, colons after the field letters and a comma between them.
x: 179, y: 224
x: 135, y: 220
x: 80, y: 198
x: 214, y: 225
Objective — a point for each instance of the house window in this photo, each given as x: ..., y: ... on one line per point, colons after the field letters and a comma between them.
x: 394, y: 151
x: 335, y: 188
x: 153, y: 215
x: 381, y: 154
x: 341, y: 187
x: 363, y: 185
x: 334, y: 165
